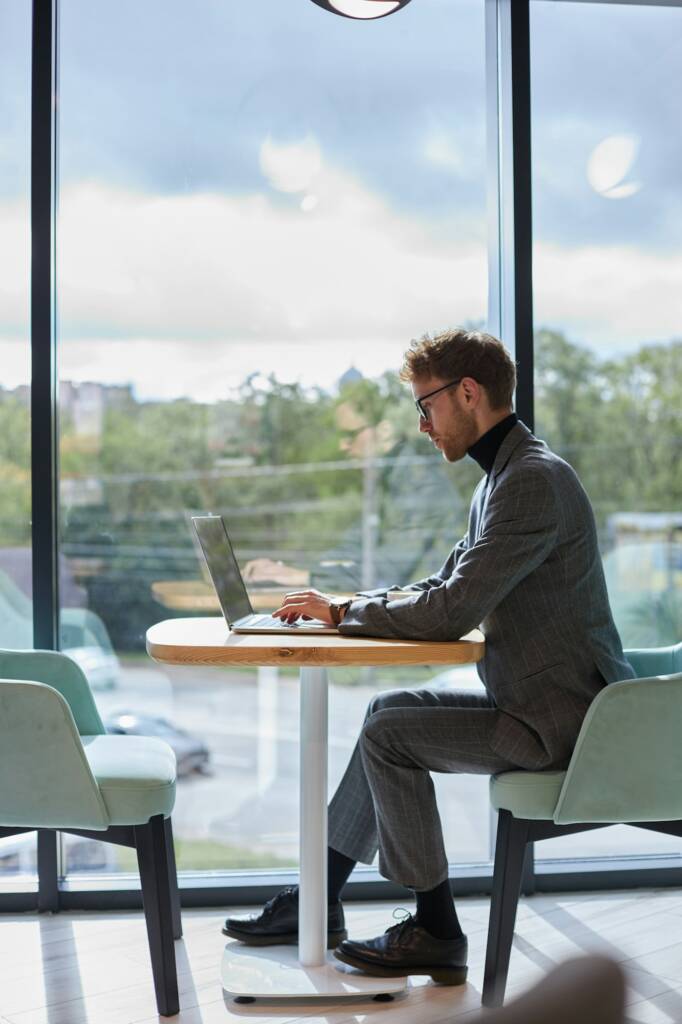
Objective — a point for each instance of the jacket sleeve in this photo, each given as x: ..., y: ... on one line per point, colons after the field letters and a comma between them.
x: 518, y: 532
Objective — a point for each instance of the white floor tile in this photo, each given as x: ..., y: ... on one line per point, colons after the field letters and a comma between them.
x: 93, y: 968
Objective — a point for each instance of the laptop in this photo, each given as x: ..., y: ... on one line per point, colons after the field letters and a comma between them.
x: 229, y: 585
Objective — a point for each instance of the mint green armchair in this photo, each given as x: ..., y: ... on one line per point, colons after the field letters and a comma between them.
x: 626, y: 768
x: 60, y: 770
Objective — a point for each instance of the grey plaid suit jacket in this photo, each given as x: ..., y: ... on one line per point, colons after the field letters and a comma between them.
x: 529, y: 574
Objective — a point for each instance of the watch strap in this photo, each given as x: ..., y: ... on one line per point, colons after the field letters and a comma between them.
x: 338, y: 609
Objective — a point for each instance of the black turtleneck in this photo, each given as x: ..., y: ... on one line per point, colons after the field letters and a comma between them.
x: 486, y: 448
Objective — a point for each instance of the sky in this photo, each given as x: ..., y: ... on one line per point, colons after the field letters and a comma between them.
x: 240, y: 181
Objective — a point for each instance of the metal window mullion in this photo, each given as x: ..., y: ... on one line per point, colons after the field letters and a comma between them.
x: 44, y: 496
x: 510, y: 235
x: 519, y: 21
x: 510, y: 223
x: 43, y: 352
x: 493, y: 168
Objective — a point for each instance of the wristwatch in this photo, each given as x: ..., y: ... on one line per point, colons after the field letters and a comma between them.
x: 338, y: 610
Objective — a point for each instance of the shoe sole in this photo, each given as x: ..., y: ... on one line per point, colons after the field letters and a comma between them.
x: 285, y: 939
x: 442, y: 975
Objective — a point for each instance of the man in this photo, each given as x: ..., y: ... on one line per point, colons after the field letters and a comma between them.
x: 528, y: 572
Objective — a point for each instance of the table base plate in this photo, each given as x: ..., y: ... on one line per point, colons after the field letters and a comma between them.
x: 275, y: 973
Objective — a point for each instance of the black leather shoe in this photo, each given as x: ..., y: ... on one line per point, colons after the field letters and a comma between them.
x: 407, y: 948
x: 277, y: 923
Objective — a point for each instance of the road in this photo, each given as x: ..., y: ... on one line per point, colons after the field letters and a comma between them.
x: 249, y: 721
x: 250, y: 724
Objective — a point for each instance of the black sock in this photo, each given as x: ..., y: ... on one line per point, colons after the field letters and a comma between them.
x: 339, y: 868
x: 436, y: 912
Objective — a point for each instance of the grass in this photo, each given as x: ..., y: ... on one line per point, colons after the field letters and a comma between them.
x: 207, y: 855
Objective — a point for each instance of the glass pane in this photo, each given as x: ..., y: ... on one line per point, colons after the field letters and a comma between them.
x: 19, y: 863
x: 607, y: 155
x: 260, y: 206
x: 17, y: 854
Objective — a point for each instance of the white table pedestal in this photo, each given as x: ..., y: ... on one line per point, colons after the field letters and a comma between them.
x: 280, y: 972
x: 276, y: 973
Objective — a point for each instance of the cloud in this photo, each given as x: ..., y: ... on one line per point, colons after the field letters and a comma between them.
x: 208, y: 370
x: 290, y: 167
x: 187, y: 294
x: 440, y: 149
x: 248, y: 267
x: 611, y: 296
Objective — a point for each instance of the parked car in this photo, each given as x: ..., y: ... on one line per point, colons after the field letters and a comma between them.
x: 19, y: 855
x: 191, y: 753
x: 100, y: 667
x: 82, y: 634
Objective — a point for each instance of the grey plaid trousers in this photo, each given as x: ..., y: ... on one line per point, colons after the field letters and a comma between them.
x: 386, y: 798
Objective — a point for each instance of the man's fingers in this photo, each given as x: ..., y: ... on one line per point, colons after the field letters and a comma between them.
x: 290, y: 608
x: 303, y: 605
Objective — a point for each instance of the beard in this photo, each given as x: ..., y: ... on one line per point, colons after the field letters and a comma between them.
x: 459, y: 437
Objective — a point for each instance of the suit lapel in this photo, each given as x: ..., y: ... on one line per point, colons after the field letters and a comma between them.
x: 477, y: 508
x: 516, y: 436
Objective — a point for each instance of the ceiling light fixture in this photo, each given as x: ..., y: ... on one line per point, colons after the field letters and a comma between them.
x: 362, y: 10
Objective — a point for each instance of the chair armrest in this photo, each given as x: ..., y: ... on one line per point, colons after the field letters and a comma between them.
x: 64, y: 675
x: 627, y: 761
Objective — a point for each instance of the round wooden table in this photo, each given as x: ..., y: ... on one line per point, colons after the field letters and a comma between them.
x: 274, y: 971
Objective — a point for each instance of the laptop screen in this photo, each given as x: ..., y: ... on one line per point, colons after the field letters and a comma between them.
x: 222, y: 565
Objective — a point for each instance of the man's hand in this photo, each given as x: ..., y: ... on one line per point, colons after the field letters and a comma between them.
x: 307, y: 604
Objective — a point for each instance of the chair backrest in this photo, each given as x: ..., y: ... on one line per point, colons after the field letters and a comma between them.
x: 45, y: 778
x: 627, y: 761
x: 63, y: 675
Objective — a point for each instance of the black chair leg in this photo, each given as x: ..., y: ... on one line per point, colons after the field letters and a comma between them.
x: 173, y: 871
x: 152, y: 859
x: 510, y: 849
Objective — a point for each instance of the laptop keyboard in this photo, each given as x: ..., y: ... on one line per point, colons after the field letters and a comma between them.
x: 271, y: 620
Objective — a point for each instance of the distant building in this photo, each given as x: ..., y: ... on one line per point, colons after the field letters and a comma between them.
x: 351, y: 376
x: 85, y: 404
x: 629, y: 527
x: 19, y: 394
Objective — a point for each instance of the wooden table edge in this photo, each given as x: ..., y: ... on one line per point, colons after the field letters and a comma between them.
x: 313, y: 651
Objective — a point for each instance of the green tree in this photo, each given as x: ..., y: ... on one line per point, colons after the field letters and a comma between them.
x: 15, y: 473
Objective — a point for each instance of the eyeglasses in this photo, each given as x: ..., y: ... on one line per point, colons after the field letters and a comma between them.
x: 419, y: 402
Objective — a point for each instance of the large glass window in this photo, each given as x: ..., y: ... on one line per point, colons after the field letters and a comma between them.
x: 260, y: 205
x: 17, y: 854
x: 607, y: 163
x: 257, y: 210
